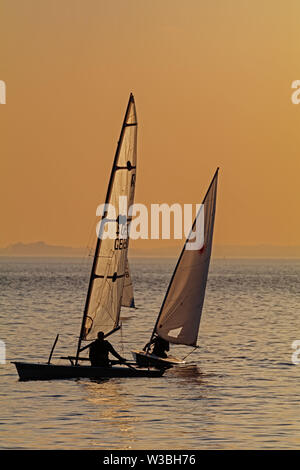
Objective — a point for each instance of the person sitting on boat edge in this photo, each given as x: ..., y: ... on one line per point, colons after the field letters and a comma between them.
x: 99, y: 351
x: 160, y: 346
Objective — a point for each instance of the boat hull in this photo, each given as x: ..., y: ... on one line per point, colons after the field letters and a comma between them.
x: 144, y: 359
x: 36, y: 371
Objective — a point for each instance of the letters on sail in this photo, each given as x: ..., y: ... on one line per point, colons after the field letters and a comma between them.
x: 128, y: 296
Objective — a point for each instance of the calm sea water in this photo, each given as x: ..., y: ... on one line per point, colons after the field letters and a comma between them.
x: 240, y: 390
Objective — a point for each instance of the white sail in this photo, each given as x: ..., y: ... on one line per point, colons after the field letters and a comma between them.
x: 103, y: 304
x: 128, y: 297
x: 179, y: 318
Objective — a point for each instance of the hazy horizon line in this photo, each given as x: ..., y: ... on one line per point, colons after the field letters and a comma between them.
x: 259, y: 251
x: 41, y: 242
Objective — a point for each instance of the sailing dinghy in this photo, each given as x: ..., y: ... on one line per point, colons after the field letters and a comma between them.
x: 179, y: 317
x: 110, y: 286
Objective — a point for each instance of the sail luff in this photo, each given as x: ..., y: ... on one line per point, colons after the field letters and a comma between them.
x: 99, y: 240
x: 179, y: 263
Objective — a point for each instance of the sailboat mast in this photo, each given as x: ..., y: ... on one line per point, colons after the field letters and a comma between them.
x: 98, y: 244
x: 177, y: 265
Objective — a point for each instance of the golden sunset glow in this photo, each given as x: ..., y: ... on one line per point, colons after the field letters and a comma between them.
x: 212, y: 85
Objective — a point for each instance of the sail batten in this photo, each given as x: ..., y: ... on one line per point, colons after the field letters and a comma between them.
x: 105, y: 292
x: 179, y: 318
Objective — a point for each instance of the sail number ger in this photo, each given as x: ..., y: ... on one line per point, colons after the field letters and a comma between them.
x: 121, y: 244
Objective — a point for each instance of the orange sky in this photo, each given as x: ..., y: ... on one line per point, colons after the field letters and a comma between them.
x: 212, y: 84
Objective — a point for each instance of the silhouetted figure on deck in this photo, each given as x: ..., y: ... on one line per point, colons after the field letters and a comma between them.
x: 160, y: 346
x: 99, y: 351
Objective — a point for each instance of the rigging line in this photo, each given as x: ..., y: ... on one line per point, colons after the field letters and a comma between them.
x: 196, y: 347
x: 85, y: 258
x: 91, y: 234
x: 122, y: 340
x: 82, y: 264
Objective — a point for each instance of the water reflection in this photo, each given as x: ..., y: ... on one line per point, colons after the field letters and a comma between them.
x: 242, y: 394
x: 112, y: 412
x: 187, y: 373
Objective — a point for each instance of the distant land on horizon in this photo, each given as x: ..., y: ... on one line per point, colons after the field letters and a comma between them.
x: 41, y: 249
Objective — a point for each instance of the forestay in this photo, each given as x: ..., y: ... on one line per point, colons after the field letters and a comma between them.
x: 179, y: 318
x: 104, y: 298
